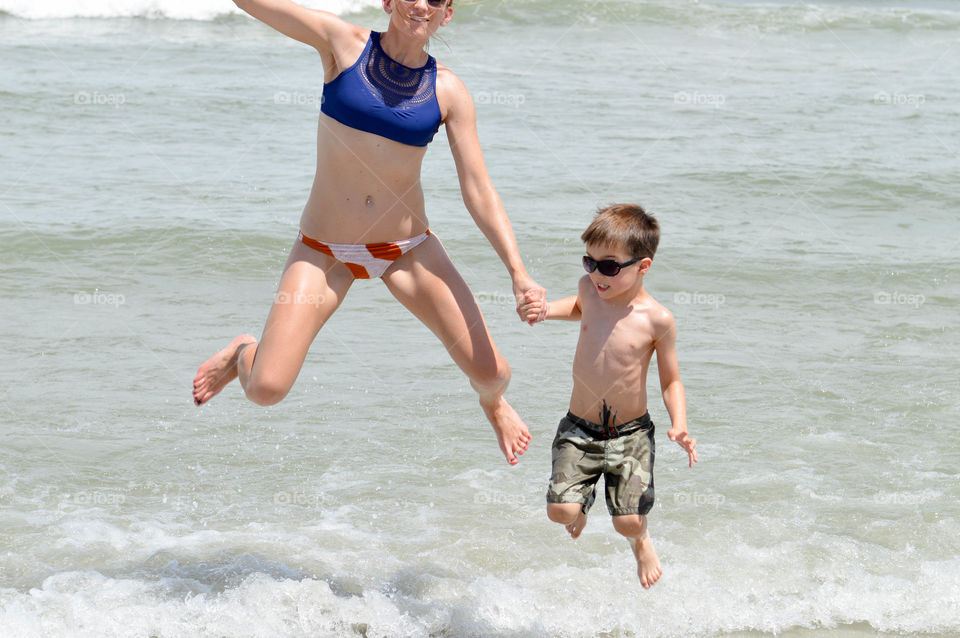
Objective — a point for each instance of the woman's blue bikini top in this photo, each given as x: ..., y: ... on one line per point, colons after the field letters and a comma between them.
x: 383, y: 97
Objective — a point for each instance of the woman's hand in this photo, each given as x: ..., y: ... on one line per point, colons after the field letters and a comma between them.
x: 533, y: 308
x: 530, y: 295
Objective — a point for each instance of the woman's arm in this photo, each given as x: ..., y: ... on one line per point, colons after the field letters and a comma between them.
x: 479, y: 195
x: 310, y: 26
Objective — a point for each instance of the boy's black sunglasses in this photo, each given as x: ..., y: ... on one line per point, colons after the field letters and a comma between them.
x: 607, y: 267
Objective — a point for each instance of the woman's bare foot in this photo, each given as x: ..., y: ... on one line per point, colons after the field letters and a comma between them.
x: 648, y: 564
x: 576, y: 527
x: 219, y: 370
x: 512, y: 433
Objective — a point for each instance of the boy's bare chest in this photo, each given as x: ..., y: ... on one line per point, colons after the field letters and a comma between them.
x: 622, y: 342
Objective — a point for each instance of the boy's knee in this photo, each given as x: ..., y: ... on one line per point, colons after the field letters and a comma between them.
x: 563, y: 513
x: 631, y: 525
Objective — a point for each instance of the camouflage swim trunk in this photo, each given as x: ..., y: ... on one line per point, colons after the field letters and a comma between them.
x: 582, y: 451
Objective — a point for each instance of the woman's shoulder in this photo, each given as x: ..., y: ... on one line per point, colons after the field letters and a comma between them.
x: 445, y: 74
x: 456, y: 104
x: 350, y: 33
x: 449, y: 85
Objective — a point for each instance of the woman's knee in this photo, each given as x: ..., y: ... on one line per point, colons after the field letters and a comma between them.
x: 490, y: 375
x: 266, y: 391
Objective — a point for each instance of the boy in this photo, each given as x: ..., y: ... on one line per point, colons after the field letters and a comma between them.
x: 621, y: 326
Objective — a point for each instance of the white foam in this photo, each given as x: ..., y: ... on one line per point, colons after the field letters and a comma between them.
x: 577, y: 593
x: 173, y: 9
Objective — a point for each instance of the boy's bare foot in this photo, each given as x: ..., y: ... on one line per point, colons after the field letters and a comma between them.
x: 648, y: 564
x: 512, y: 433
x: 219, y: 370
x: 576, y: 527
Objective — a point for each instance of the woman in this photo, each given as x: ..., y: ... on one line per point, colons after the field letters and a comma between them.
x: 383, y: 100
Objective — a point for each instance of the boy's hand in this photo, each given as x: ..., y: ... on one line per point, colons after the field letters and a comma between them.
x: 531, y: 302
x: 686, y: 442
x: 533, y: 308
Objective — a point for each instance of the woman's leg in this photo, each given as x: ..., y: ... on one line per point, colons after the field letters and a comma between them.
x: 310, y: 290
x: 427, y: 283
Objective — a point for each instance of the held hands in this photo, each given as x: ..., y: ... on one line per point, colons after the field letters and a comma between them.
x: 531, y: 301
x: 532, y: 308
x: 686, y: 442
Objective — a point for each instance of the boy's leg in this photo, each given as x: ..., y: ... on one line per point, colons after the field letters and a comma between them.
x: 630, y: 495
x: 310, y: 290
x: 570, y: 515
x: 634, y: 527
x: 577, y: 464
x: 426, y: 282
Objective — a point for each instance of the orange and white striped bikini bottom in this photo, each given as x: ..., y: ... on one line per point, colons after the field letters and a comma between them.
x: 366, y: 261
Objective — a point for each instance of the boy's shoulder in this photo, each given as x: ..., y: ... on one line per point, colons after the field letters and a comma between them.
x: 647, y: 311
x: 660, y: 316
x: 584, y: 283
x: 654, y: 307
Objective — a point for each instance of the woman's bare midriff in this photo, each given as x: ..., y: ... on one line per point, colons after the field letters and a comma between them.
x: 367, y: 188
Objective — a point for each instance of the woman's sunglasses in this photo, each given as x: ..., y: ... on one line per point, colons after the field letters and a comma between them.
x: 434, y: 4
x: 607, y: 267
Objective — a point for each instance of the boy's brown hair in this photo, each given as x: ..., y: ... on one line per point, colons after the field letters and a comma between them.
x: 626, y: 225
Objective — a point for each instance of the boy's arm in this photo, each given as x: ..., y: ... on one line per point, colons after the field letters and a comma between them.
x: 674, y: 396
x: 568, y: 308
x: 533, y: 310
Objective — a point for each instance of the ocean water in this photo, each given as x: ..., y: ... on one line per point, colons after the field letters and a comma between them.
x: 803, y: 160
